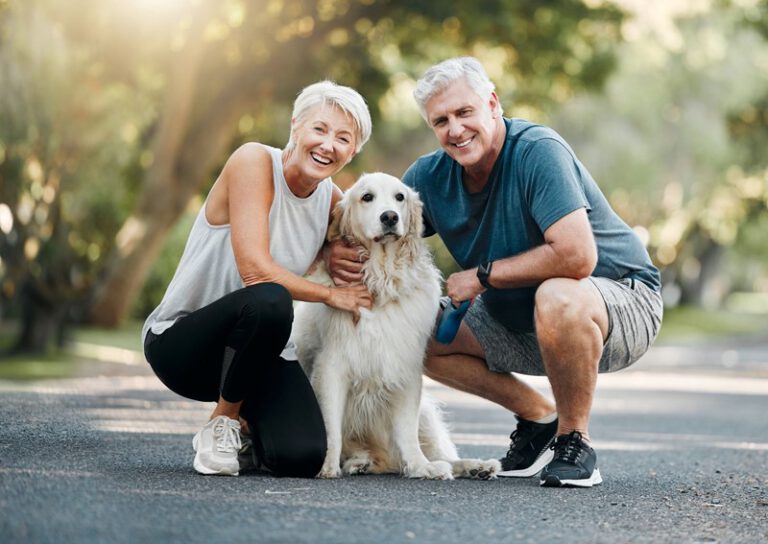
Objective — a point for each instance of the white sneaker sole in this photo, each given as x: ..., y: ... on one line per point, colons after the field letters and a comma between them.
x: 202, y: 469
x: 595, y: 479
x: 542, y: 461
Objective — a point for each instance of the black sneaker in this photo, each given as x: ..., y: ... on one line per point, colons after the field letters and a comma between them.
x: 574, y: 463
x: 529, y: 448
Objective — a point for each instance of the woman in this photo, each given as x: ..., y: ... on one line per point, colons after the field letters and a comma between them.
x: 221, y: 331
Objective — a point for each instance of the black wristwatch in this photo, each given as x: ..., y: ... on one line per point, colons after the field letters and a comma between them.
x: 483, y: 271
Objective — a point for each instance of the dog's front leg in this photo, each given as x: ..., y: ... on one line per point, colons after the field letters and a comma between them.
x: 332, y: 396
x: 405, y: 423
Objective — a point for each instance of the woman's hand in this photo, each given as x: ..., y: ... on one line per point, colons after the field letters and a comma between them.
x: 350, y: 299
x: 344, y: 262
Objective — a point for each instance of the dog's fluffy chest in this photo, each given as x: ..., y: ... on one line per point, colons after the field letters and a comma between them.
x: 386, y: 347
x: 388, y: 342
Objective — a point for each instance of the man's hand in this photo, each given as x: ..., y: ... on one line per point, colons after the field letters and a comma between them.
x: 463, y: 286
x: 344, y: 262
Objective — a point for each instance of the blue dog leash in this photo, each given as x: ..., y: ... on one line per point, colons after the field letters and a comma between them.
x: 450, y: 319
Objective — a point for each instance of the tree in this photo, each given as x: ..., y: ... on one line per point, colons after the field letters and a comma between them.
x: 225, y: 71
x: 680, y: 156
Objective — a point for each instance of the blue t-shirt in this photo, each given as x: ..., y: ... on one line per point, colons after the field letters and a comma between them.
x: 536, y: 181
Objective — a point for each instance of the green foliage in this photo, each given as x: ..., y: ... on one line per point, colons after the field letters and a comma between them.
x: 682, y: 155
x: 164, y: 267
x: 88, y: 84
x: 63, y: 142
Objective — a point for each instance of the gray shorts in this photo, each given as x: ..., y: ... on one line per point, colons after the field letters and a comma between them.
x: 634, y: 314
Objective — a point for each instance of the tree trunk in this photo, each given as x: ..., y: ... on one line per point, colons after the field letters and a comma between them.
x: 704, y: 290
x: 182, y: 166
x: 164, y: 194
x: 42, y: 326
x: 161, y: 203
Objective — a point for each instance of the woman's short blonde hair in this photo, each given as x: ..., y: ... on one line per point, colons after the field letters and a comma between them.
x: 331, y: 94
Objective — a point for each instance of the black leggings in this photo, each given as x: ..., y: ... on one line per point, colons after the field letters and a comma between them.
x: 231, y: 348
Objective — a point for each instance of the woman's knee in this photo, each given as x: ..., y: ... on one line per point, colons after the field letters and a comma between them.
x: 267, y: 300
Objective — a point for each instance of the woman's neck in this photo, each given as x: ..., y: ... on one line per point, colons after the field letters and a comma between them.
x: 299, y: 185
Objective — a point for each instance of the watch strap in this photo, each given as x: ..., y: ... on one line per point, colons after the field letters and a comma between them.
x: 483, y: 272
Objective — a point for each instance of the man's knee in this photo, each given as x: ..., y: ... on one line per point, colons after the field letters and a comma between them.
x: 560, y: 302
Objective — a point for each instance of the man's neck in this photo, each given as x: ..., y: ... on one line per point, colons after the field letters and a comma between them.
x: 476, y: 176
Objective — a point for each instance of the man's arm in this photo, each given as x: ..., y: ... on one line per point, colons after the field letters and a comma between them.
x: 568, y: 251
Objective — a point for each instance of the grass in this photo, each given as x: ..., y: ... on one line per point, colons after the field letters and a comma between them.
x: 680, y: 324
x: 128, y: 336
x: 689, y: 323
x: 63, y: 364
x: 38, y: 367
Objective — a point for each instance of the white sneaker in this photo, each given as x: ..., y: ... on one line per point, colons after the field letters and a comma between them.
x: 217, y: 444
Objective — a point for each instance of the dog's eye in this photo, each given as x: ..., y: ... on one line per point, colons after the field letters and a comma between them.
x: 399, y: 197
x: 367, y: 197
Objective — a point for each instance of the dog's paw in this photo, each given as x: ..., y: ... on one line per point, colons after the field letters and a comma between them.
x: 357, y: 465
x: 329, y: 471
x: 436, y: 470
x: 477, y: 469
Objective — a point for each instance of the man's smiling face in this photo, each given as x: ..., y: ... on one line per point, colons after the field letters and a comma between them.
x: 464, y: 123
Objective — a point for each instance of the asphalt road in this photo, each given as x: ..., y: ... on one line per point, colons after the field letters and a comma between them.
x: 682, y: 442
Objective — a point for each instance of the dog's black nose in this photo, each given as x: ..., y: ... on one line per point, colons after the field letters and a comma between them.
x: 389, y: 218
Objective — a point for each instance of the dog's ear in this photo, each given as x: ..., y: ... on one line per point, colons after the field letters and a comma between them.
x: 415, y: 222
x: 338, y: 227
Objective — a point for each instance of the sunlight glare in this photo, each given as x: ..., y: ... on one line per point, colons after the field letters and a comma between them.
x: 158, y: 7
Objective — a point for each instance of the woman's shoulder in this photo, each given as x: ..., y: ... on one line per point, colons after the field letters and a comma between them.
x: 251, y: 153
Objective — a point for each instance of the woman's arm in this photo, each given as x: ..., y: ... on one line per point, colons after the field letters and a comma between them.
x: 242, y: 197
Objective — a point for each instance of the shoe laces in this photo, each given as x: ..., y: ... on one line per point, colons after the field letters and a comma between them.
x: 227, y: 434
x: 518, y: 440
x: 568, y: 447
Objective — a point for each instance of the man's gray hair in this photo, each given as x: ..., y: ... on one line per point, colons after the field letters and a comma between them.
x: 439, y: 76
x: 331, y: 94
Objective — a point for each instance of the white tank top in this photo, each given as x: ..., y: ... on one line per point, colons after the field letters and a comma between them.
x: 207, y: 270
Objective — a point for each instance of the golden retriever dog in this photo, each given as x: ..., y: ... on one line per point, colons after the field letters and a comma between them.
x: 368, y: 375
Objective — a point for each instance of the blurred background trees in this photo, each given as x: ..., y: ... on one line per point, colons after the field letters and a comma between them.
x: 115, y: 118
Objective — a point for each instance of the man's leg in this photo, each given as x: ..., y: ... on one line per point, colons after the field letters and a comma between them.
x: 461, y: 365
x: 571, y: 327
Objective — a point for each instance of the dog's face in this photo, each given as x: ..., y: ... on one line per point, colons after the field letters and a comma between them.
x: 378, y: 208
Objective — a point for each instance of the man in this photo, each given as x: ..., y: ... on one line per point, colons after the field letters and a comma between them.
x: 562, y: 287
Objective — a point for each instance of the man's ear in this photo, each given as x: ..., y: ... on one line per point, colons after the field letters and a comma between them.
x: 494, y: 103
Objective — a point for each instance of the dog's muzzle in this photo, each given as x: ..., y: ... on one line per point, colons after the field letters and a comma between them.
x: 389, y: 221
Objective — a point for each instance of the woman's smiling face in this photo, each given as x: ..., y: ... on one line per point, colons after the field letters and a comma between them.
x: 325, y: 141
